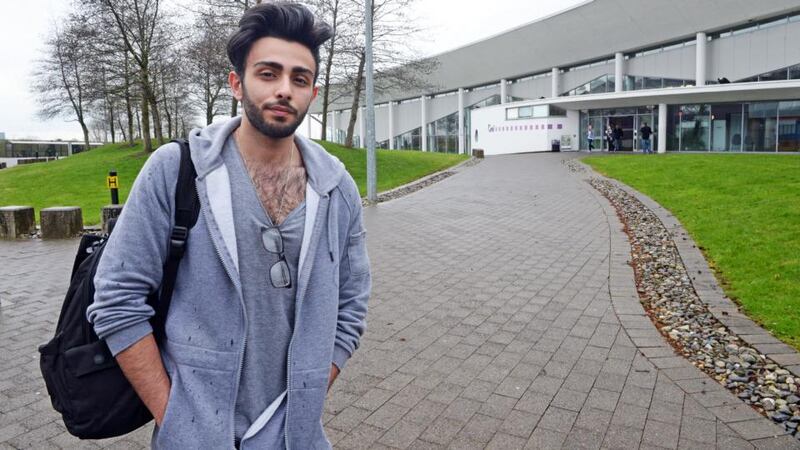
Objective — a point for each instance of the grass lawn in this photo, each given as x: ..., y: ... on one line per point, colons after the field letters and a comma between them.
x: 80, y: 180
x: 744, y: 213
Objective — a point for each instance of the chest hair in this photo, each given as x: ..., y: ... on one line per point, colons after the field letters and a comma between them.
x: 269, y: 184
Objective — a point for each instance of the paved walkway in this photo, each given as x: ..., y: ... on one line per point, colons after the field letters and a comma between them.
x: 503, y: 316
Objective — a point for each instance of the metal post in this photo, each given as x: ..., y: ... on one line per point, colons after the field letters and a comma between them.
x: 372, y: 176
x: 113, y: 186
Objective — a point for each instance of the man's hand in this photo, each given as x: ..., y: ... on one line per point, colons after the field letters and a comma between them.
x: 142, y: 366
x: 333, y: 375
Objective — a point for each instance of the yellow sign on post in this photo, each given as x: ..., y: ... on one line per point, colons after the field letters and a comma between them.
x: 112, y: 182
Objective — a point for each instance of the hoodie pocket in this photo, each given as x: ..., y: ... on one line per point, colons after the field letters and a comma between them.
x: 198, y: 409
x: 357, y: 254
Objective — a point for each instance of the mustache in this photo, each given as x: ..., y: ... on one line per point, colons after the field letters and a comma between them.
x: 281, y: 103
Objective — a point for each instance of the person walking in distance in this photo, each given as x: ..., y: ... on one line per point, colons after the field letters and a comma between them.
x: 270, y: 299
x: 610, y: 138
x: 590, y: 137
x: 646, y: 132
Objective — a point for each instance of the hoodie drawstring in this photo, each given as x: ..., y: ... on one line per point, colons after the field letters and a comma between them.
x: 330, y: 228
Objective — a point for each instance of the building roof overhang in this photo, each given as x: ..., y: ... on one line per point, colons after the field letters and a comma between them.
x: 718, y: 93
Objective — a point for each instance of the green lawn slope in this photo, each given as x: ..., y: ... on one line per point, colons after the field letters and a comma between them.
x: 80, y: 180
x: 744, y: 212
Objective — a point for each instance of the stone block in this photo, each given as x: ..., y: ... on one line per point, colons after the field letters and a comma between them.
x: 477, y: 153
x: 109, y: 212
x: 61, y: 222
x: 16, y: 222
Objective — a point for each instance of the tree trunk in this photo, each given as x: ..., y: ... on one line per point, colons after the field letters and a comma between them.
x: 85, y: 134
x: 111, y: 122
x: 327, y: 78
x: 348, y: 140
x: 128, y: 103
x: 234, y: 107
x: 138, y: 125
x: 148, y: 144
x: 122, y: 129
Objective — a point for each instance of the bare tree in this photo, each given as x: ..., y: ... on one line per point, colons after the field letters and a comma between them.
x: 60, y: 82
x: 207, y: 56
x: 339, y: 15
x: 138, y: 24
x: 397, y: 63
x: 228, y: 13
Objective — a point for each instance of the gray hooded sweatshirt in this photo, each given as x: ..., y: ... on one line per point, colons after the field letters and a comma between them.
x: 205, y: 329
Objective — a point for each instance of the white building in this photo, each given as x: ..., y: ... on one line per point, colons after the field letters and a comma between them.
x: 711, y: 75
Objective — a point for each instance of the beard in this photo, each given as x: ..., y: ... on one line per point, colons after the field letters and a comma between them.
x: 276, y: 130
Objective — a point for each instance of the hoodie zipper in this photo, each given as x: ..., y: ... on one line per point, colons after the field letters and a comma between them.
x: 244, y: 320
x: 308, y: 266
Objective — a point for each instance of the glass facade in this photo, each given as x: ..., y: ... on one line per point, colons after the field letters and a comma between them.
x: 11, y: 149
x: 735, y: 127
x: 443, y: 134
x: 787, y: 73
x: 630, y: 120
x: 411, y: 140
x: 605, y: 83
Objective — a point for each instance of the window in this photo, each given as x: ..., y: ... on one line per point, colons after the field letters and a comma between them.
x: 512, y: 113
x: 525, y: 111
x: 541, y: 111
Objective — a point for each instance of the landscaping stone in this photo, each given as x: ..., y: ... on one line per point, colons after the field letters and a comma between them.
x: 666, y: 291
x: 17, y: 222
x: 109, y: 212
x: 61, y: 222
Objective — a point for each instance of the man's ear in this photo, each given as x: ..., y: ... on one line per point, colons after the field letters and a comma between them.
x: 315, y: 93
x: 236, y: 85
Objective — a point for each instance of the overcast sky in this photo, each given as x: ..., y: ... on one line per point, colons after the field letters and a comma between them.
x: 449, y: 23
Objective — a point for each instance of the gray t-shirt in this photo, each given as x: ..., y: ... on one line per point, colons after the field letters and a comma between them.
x: 269, y: 310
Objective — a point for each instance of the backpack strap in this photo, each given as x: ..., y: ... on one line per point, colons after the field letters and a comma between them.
x: 187, y: 209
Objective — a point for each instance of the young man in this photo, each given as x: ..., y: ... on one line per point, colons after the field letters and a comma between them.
x: 271, y: 296
x: 646, y: 132
x: 590, y: 137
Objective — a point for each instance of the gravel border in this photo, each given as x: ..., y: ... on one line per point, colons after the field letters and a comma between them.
x: 683, y: 300
x: 416, y: 185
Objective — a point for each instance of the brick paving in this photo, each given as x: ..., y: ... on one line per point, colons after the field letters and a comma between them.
x: 504, y: 315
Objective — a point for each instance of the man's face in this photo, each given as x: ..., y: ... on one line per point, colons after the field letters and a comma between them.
x: 278, y: 86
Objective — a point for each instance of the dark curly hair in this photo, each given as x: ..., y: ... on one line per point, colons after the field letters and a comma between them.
x: 284, y: 20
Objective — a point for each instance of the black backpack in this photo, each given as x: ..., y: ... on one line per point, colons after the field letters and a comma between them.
x: 83, y: 379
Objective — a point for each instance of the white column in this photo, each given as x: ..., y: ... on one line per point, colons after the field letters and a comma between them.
x: 619, y: 72
x: 69, y: 148
x: 662, y: 128
x: 503, y: 91
x: 555, y: 82
x: 391, y: 125
x: 361, y: 128
x: 423, y: 106
x: 700, y: 59
x: 461, y: 140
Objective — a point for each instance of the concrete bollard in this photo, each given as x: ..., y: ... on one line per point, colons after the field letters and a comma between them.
x: 109, y: 212
x: 477, y: 153
x: 17, y: 222
x: 61, y: 222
